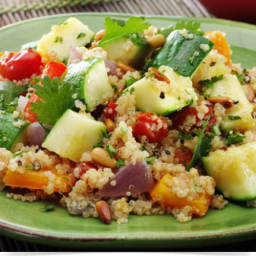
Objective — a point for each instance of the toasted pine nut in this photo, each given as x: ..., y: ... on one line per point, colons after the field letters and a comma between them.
x: 101, y: 156
x: 249, y: 92
x: 226, y: 102
x: 110, y: 125
x: 125, y: 67
x: 104, y: 211
x: 158, y: 75
x: 99, y: 35
x: 156, y: 41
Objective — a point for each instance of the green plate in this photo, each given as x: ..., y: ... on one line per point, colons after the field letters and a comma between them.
x: 29, y: 222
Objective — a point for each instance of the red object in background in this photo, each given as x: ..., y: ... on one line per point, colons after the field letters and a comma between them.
x: 110, y: 110
x: 240, y: 10
x: 55, y: 69
x: 21, y: 65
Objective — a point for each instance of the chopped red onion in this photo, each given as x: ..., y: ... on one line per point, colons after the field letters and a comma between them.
x: 130, y: 180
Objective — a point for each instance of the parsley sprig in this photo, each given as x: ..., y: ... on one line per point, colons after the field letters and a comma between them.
x: 115, y: 28
x: 55, y: 98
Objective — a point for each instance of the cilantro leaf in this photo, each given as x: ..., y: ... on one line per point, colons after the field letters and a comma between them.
x: 8, y: 95
x: 191, y: 26
x: 111, y: 150
x: 209, y: 82
x: 202, y: 147
x: 234, y: 139
x: 116, y: 28
x: 56, y: 98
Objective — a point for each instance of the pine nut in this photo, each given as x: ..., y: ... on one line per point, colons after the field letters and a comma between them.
x: 104, y: 211
x: 101, y: 156
x: 156, y: 41
x: 158, y: 75
x: 125, y: 67
x: 226, y: 102
x: 249, y: 92
x: 110, y: 125
x: 99, y: 35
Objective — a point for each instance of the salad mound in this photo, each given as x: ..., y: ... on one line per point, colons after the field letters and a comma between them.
x: 132, y: 119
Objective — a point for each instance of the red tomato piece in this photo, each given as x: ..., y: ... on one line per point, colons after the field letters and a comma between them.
x: 110, y: 110
x: 155, y: 128
x: 85, y: 166
x: 21, y: 65
x: 184, y: 157
x: 30, y: 116
x: 55, y: 69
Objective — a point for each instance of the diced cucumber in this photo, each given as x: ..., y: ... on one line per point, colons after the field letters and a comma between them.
x: 127, y: 51
x: 91, y: 80
x: 162, y: 98
x: 230, y: 87
x: 74, y: 134
x: 234, y: 171
x: 183, y: 52
x: 57, y: 43
x: 10, y: 131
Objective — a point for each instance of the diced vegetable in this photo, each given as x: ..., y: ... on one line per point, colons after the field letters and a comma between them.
x: 56, y: 44
x: 183, y: 52
x: 21, y: 65
x: 37, y: 180
x: 234, y: 171
x: 28, y: 114
x: 230, y: 87
x: 90, y: 79
x: 74, y: 134
x: 11, y: 131
x: 162, y: 193
x: 163, y: 98
x: 220, y: 44
x: 130, y: 180
x: 55, y: 69
x: 153, y: 127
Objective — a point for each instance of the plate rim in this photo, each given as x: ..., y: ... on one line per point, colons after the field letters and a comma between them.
x: 22, y: 232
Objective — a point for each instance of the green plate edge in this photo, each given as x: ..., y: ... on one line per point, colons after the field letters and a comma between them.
x: 28, y: 222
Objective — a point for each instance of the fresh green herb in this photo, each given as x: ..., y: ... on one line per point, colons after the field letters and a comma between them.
x: 130, y: 81
x: 143, y: 148
x: 132, y: 90
x: 184, y: 137
x: 58, y: 39
x: 29, y: 167
x: 56, y: 98
x: 8, y: 95
x: 111, y: 150
x: 98, y: 145
x: 65, y: 178
x: 49, y: 207
x: 209, y: 82
x: 115, y: 88
x: 119, y: 163
x: 240, y: 77
x: 105, y: 134
x: 115, y: 29
x: 216, y: 130
x: 150, y: 160
x: 189, y: 102
x: 18, y: 153
x: 81, y: 35
x: 191, y: 26
x: 233, y: 118
x: 234, y: 138
x: 202, y: 147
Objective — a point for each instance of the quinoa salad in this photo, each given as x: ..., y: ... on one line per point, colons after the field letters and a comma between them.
x: 131, y: 119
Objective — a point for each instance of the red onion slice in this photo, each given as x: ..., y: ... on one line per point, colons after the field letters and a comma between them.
x: 130, y: 180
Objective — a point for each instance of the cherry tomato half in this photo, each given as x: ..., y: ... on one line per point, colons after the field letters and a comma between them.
x: 155, y: 128
x: 21, y: 65
x: 55, y: 69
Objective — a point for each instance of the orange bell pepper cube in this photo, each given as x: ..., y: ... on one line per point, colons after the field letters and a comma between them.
x: 28, y: 114
x: 220, y: 44
x: 37, y: 180
x: 55, y: 69
x: 163, y: 195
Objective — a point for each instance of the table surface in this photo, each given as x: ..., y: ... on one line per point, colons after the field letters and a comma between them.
x: 17, y: 10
